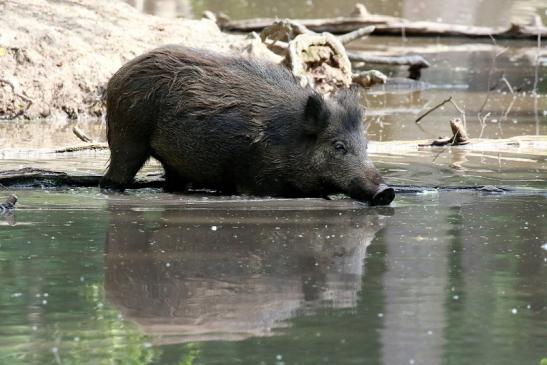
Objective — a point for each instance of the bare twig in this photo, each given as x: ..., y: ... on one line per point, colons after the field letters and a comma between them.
x: 461, y: 111
x: 483, y: 122
x: 356, y: 34
x: 417, y: 121
x: 506, y: 82
x: 536, y: 76
x: 510, y: 107
x: 81, y: 134
x: 495, y: 56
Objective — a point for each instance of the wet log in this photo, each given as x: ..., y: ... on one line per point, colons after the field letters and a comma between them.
x: 38, y: 178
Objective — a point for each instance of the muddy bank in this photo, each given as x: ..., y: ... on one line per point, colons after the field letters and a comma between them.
x: 56, y: 56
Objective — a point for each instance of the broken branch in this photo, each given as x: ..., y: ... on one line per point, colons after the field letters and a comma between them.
x: 81, y: 134
x: 417, y: 121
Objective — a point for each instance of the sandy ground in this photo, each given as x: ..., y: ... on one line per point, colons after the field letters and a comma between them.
x: 56, y: 56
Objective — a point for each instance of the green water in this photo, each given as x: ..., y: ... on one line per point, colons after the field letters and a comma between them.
x: 152, y: 278
x: 437, y: 278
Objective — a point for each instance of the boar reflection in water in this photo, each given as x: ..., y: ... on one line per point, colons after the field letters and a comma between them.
x: 219, y: 274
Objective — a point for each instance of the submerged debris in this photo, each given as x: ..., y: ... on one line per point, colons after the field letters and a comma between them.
x: 8, y: 205
x: 6, y: 210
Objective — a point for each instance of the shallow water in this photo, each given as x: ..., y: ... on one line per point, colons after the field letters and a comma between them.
x: 436, y: 278
x: 152, y: 278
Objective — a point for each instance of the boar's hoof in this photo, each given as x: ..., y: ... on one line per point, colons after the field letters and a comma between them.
x: 383, y: 196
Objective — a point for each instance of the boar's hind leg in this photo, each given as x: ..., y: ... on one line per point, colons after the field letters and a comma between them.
x: 126, y: 159
x: 174, y: 182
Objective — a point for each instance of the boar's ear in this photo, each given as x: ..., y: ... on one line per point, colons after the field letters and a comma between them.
x: 316, y: 114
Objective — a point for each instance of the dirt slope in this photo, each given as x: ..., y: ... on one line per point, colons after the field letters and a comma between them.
x: 56, y: 56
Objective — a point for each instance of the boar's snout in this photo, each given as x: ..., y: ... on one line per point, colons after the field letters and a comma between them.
x: 383, y: 196
x: 370, y: 186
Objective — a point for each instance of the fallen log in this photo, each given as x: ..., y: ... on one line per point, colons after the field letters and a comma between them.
x: 337, y: 25
x: 38, y: 178
x: 388, y: 25
x: 411, y: 60
x: 415, y: 63
x: 399, y: 28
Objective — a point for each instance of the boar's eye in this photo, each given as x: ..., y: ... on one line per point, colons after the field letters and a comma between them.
x: 340, y: 147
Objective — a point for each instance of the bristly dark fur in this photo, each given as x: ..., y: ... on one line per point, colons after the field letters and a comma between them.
x: 235, y: 124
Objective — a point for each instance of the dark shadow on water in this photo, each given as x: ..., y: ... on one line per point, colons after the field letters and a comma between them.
x: 196, y: 274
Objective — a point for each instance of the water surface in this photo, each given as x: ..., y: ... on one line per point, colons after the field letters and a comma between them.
x: 436, y: 278
x: 152, y: 278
